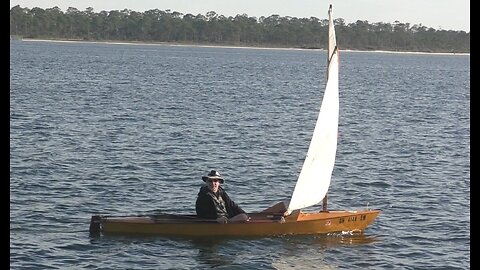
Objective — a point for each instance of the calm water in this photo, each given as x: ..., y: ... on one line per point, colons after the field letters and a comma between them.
x: 128, y: 129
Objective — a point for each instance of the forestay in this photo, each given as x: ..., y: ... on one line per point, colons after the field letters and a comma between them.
x: 314, y: 178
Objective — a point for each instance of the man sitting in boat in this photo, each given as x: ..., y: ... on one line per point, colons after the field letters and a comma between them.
x: 213, y: 201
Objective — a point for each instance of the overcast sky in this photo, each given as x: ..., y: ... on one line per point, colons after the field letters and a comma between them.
x: 438, y: 14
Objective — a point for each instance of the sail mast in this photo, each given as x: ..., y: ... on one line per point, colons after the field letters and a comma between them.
x: 332, y: 45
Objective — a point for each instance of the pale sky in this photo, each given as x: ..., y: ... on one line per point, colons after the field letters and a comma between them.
x: 438, y: 14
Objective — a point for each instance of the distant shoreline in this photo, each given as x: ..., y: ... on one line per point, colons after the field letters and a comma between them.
x: 221, y: 46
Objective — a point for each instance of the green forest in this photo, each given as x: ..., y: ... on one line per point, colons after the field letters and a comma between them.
x: 242, y: 30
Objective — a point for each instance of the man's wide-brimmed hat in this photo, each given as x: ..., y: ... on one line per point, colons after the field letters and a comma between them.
x: 213, y: 174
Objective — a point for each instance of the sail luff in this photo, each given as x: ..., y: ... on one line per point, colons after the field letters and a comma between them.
x: 314, y: 178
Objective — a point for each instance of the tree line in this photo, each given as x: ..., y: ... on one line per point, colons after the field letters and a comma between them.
x: 242, y: 30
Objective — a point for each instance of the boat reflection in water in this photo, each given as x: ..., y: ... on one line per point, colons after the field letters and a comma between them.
x: 295, y: 252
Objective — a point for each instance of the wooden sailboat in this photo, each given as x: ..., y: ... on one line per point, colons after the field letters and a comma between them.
x: 311, y: 188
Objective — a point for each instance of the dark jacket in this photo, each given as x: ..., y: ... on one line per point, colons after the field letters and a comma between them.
x: 209, y: 206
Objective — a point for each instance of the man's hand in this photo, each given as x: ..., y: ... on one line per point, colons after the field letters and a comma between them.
x: 222, y: 220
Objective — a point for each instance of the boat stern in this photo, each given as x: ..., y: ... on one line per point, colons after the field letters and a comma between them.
x: 95, y: 225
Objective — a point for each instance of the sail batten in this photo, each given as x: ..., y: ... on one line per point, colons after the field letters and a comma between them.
x: 314, y: 178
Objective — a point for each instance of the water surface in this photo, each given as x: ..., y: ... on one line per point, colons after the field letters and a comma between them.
x: 127, y: 129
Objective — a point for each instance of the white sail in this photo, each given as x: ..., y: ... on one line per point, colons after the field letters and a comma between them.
x: 314, y: 178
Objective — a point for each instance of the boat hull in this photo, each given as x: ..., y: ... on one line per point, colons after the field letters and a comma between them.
x: 260, y: 224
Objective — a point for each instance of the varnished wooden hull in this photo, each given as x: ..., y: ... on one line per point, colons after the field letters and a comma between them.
x: 261, y: 224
